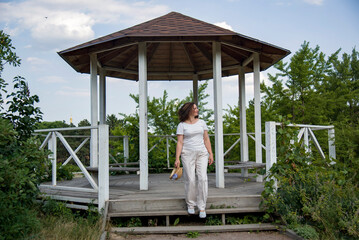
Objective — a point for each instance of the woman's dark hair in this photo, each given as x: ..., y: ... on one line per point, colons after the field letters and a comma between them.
x: 184, y: 111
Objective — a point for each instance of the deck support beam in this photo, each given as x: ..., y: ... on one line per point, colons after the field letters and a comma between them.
x: 217, y: 87
x: 94, y: 112
x: 243, y: 119
x: 142, y: 77
x: 257, y: 111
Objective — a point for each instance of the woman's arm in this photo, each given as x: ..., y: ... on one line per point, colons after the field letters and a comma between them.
x: 178, y: 150
x: 207, y: 143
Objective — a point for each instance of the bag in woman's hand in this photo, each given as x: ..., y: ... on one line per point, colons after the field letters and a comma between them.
x: 176, y: 173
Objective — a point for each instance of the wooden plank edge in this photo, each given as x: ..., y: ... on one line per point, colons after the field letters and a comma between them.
x: 184, y: 212
x: 69, y: 198
x: 200, y: 229
x: 124, y: 199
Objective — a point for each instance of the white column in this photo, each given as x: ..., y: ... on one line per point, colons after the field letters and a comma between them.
x: 102, y: 96
x: 103, y: 168
x: 217, y: 87
x: 52, y: 146
x: 331, y: 143
x: 271, y: 145
x: 306, y: 141
x: 94, y: 112
x: 195, y: 89
x: 257, y: 111
x: 243, y: 119
x: 142, y: 77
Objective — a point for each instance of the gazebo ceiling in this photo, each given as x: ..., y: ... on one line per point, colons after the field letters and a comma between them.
x: 178, y: 47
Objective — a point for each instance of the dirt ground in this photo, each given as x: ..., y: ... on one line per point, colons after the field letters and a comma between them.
x: 205, y: 236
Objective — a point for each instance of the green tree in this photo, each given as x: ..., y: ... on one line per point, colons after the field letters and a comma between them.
x: 295, y: 87
x: 7, y: 56
x: 22, y: 164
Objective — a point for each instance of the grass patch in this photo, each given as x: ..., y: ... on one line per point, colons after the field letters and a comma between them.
x: 64, y: 228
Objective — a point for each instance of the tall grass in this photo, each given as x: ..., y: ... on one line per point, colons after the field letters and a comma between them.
x: 59, y: 222
x: 59, y: 227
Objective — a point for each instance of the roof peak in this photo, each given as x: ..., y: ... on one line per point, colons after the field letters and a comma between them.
x: 173, y: 24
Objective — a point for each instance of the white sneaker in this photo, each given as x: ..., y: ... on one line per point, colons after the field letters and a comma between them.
x: 202, y: 214
x: 190, y: 210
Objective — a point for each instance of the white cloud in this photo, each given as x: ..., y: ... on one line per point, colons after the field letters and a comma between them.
x: 224, y: 25
x: 36, y: 61
x: 59, y: 23
x: 314, y: 2
x: 52, y: 79
x: 69, y: 91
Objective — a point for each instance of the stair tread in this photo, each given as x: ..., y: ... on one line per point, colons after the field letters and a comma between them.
x: 206, y: 229
x: 183, y: 212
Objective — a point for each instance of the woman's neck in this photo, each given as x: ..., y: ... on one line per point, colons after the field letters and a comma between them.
x: 191, y: 119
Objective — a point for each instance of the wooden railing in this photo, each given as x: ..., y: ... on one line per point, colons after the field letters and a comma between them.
x: 98, y: 184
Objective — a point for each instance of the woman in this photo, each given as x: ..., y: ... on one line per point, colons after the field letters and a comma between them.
x: 194, y: 147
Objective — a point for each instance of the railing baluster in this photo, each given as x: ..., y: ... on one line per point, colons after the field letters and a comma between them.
x: 76, y: 151
x: 77, y: 160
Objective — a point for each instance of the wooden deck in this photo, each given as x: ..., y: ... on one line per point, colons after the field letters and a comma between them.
x: 165, y: 197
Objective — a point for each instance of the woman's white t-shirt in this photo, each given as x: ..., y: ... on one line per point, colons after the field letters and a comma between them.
x: 192, y: 135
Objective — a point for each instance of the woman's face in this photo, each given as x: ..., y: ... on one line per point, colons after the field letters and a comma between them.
x: 194, y: 111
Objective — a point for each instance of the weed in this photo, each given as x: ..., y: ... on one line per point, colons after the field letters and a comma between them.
x: 176, y: 221
x: 213, y: 220
x: 192, y: 234
x: 132, y: 222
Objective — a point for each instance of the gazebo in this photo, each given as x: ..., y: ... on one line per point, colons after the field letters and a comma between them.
x: 174, y: 47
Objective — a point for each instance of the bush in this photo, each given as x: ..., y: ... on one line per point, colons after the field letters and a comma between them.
x: 21, y: 170
x: 307, y: 232
x: 311, y: 192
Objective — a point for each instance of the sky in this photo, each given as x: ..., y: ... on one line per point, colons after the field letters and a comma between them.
x: 41, y: 28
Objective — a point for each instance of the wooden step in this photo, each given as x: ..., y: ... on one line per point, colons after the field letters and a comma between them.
x: 183, y: 212
x: 177, y: 206
x: 199, y: 229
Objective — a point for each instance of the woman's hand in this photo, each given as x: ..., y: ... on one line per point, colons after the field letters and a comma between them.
x: 210, y: 159
x: 177, y: 163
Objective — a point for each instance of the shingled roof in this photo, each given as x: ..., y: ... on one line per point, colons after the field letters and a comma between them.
x: 178, y: 46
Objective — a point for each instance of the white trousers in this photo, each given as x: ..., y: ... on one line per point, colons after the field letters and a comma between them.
x: 195, y: 164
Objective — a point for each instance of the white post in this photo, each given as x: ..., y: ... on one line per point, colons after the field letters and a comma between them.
x: 217, y: 82
x: 257, y: 111
x: 243, y: 119
x: 103, y: 168
x: 331, y: 143
x: 195, y: 89
x: 142, y: 77
x: 125, y: 149
x: 306, y: 140
x: 94, y: 112
x: 271, y: 145
x: 52, y: 146
x: 102, y: 96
